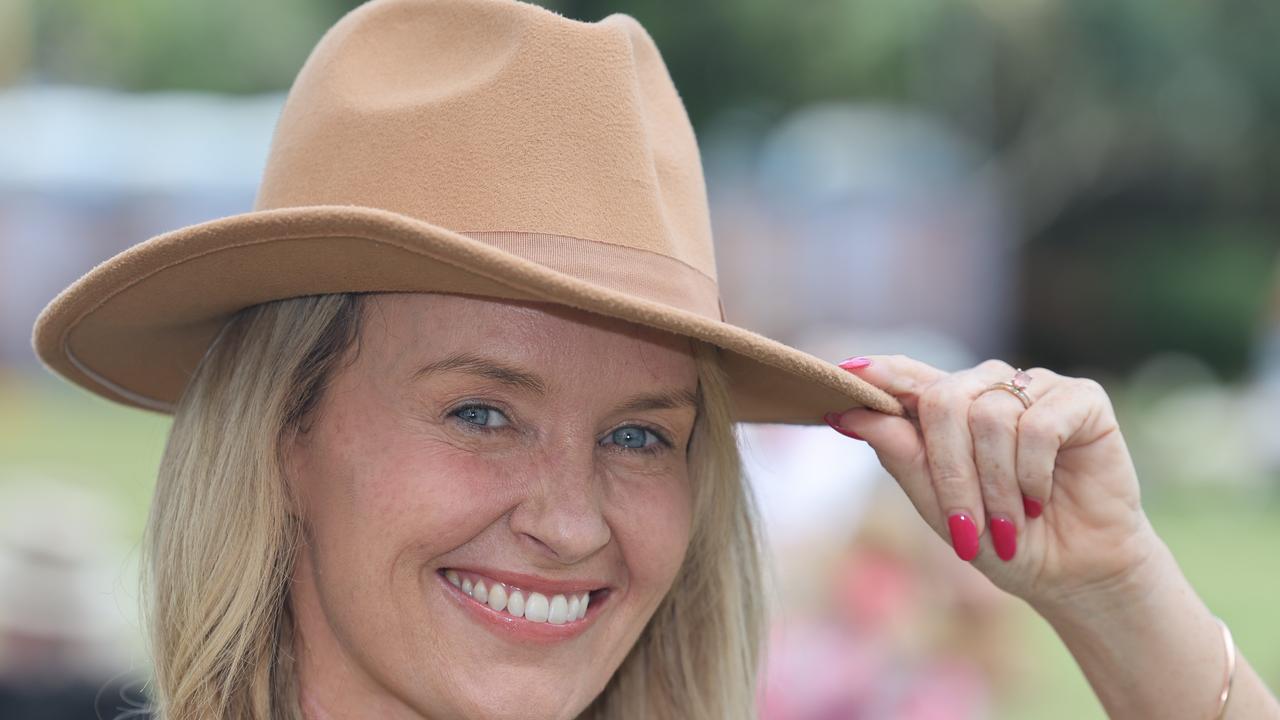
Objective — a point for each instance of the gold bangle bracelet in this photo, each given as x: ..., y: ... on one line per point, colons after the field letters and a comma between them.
x: 1231, y: 668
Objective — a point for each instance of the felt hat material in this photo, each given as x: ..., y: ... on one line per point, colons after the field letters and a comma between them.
x: 487, y: 147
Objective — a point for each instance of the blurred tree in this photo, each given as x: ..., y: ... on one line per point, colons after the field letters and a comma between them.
x: 1078, y: 99
x: 15, y: 39
x: 235, y: 46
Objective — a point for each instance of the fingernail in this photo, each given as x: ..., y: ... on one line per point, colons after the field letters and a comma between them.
x: 964, y: 535
x: 1004, y: 534
x: 833, y: 419
x: 855, y: 362
x: 1032, y: 507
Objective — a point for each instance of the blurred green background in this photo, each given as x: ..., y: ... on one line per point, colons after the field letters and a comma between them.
x: 1133, y: 143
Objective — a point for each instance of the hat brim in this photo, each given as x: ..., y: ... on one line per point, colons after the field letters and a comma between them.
x: 134, y: 328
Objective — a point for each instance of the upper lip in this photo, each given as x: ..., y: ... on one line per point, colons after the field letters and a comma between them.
x: 525, y: 581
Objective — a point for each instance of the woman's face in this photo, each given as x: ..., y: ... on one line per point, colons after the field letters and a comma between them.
x: 527, y: 446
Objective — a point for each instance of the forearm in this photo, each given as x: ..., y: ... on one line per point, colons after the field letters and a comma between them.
x: 1153, y: 650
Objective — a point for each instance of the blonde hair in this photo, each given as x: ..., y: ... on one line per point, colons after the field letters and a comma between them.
x: 220, y: 541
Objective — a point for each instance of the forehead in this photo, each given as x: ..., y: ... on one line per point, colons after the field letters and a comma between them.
x: 412, y: 327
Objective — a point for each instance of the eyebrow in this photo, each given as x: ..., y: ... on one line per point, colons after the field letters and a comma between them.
x: 480, y: 366
x: 491, y: 369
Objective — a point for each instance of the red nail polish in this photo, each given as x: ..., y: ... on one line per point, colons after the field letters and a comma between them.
x: 1032, y: 507
x: 833, y: 419
x: 855, y: 362
x: 1004, y: 535
x: 964, y: 536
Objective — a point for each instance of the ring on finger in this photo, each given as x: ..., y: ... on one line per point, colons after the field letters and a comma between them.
x: 1017, y: 386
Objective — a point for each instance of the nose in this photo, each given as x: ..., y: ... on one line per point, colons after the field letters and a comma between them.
x: 562, y: 513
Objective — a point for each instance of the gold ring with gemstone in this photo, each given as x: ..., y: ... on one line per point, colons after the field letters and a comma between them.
x: 1017, y: 386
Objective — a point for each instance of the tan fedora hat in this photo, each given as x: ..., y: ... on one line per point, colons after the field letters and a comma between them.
x: 486, y: 147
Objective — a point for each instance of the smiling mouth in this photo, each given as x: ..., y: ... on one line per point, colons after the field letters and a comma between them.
x: 515, y: 603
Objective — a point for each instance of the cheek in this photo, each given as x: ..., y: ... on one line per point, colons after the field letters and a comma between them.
x: 424, y: 498
x: 653, y: 525
x: 383, y: 499
x: 384, y: 505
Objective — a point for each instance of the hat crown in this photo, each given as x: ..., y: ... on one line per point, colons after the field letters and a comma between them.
x: 483, y: 147
x: 496, y: 116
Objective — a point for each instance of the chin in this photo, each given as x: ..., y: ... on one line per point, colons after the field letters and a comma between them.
x: 524, y: 696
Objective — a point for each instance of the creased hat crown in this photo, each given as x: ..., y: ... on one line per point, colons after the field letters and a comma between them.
x: 512, y: 124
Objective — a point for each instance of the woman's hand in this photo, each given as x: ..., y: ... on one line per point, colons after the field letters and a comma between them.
x: 968, y: 459
x: 1091, y: 563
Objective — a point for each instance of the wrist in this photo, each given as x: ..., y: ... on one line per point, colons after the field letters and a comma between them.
x: 1150, y: 576
x: 1150, y: 612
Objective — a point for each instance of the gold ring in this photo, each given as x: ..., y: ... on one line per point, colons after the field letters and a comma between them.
x: 1017, y: 386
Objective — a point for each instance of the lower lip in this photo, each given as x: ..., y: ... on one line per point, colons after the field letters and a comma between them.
x: 509, y: 627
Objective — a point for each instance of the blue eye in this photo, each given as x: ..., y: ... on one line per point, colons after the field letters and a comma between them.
x: 629, y: 438
x: 632, y: 438
x: 480, y: 415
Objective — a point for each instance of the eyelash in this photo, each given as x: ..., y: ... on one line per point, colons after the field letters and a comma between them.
x: 657, y: 447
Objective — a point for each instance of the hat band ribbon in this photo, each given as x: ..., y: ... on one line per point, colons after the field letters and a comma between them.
x: 650, y: 275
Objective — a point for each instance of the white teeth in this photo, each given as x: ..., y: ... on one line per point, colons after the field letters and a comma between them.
x: 532, y: 606
x: 515, y: 603
x: 498, y: 598
x: 537, y: 608
x: 559, y: 612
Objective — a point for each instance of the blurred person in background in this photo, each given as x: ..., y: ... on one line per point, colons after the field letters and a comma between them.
x: 61, y: 639
x: 893, y: 627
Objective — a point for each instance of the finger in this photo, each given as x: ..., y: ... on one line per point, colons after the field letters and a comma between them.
x: 1048, y: 425
x: 993, y: 423
x: 898, y: 446
x: 897, y: 441
x: 901, y: 376
x: 944, y: 424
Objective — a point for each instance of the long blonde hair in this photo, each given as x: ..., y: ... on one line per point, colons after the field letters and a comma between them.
x: 220, y: 542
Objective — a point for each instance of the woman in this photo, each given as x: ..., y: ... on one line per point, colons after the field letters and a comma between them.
x: 545, y: 461
x: 454, y: 404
